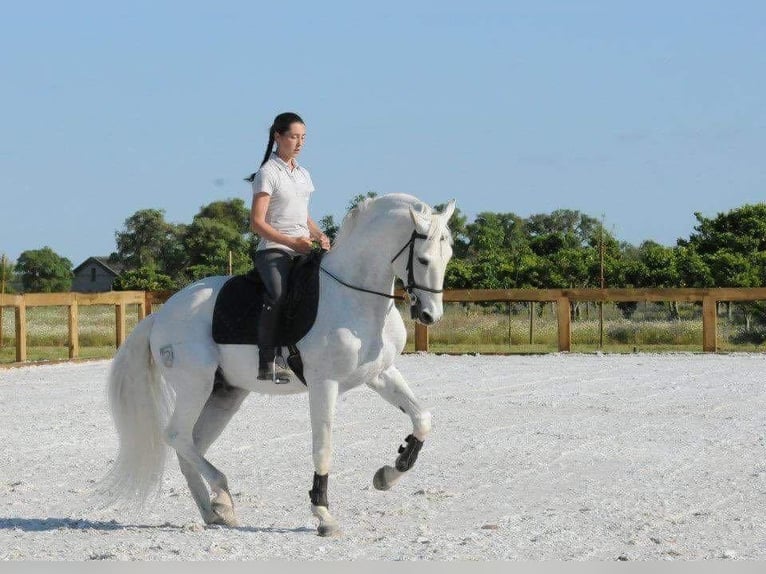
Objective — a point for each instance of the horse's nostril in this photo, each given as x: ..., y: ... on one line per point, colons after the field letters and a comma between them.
x: 426, y: 318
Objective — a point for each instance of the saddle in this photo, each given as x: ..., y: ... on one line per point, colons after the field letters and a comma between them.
x: 237, y: 308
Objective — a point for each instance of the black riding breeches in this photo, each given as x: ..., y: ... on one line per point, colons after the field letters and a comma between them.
x: 274, y: 267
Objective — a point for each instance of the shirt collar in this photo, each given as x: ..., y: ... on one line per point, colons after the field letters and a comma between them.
x: 283, y: 163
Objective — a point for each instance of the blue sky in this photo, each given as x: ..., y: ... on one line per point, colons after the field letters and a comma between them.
x: 640, y: 112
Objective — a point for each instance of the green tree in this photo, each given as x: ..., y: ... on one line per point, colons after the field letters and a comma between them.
x: 491, y: 263
x: 143, y: 279
x: 174, y: 259
x: 741, y: 230
x: 658, y: 265
x: 732, y: 245
x: 329, y: 227
x: 459, y: 275
x: 568, y: 246
x: 207, y: 243
x: 693, y: 270
x: 146, y: 240
x: 602, y: 239
x: 650, y: 265
x: 565, y: 267
x: 491, y: 270
x: 231, y: 212
x: 486, y: 233
x: 6, y: 276
x: 44, y: 271
x: 735, y: 269
x: 524, y: 262
x: 567, y: 225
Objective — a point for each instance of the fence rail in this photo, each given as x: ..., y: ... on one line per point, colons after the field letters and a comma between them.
x: 73, y: 301
x: 563, y: 298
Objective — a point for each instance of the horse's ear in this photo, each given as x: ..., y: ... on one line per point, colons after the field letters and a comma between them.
x: 449, y: 209
x: 421, y: 220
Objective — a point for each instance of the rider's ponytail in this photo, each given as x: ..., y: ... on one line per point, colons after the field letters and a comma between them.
x: 269, y: 146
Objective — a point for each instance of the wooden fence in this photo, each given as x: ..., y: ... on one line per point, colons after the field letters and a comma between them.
x: 565, y: 297
x: 73, y: 301
x: 562, y: 297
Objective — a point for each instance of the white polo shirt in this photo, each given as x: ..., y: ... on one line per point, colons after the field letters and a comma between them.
x: 290, y: 191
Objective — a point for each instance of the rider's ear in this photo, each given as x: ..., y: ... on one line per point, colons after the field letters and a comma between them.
x: 422, y: 221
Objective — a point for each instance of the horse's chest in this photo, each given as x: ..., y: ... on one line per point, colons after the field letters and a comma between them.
x: 357, y: 352
x: 353, y: 359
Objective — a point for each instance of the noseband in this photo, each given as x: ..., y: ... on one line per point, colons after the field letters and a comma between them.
x: 410, y: 274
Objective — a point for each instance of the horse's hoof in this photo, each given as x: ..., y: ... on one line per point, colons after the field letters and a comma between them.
x: 327, y: 524
x: 386, y: 477
x: 328, y: 530
x: 379, y: 480
x: 224, y: 515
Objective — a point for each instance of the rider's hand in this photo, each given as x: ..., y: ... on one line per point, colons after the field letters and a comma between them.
x: 324, y: 242
x: 302, y: 244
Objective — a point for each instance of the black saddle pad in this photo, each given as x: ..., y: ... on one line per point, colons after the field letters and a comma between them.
x: 238, y: 305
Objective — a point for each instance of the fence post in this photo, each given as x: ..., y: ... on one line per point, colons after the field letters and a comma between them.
x: 2, y: 295
x: 74, y: 335
x: 120, y: 322
x: 531, y: 321
x: 142, y: 309
x: 421, y: 337
x: 563, y: 312
x: 709, y: 324
x: 21, y: 332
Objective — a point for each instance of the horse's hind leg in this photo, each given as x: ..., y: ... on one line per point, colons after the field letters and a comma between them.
x: 191, y: 400
x: 392, y: 386
x: 220, y: 407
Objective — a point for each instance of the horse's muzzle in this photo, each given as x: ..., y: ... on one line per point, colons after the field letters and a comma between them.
x: 421, y: 315
x: 425, y: 318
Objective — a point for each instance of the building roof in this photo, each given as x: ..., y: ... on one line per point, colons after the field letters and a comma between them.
x: 113, y: 268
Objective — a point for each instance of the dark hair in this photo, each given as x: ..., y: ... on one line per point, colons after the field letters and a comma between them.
x: 281, y: 124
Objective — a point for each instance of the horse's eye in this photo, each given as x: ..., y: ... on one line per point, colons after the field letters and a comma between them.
x: 422, y: 260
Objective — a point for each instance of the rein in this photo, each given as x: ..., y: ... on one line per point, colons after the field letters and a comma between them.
x: 339, y: 280
x: 410, y: 273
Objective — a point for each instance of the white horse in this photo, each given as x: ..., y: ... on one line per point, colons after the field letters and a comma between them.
x: 171, y: 384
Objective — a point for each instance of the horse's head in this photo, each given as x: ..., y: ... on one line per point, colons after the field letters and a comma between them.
x: 422, y: 262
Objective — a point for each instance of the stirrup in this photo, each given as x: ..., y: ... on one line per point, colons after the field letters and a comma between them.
x: 275, y: 373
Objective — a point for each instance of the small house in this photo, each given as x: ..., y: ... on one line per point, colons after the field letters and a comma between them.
x: 95, y: 274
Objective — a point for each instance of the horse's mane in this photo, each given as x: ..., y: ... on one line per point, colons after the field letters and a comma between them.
x: 390, y: 203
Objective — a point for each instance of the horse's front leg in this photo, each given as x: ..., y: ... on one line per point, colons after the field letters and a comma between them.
x: 392, y: 386
x: 322, y: 399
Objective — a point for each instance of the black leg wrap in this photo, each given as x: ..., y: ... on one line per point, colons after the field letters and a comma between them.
x: 408, y: 454
x: 318, y: 492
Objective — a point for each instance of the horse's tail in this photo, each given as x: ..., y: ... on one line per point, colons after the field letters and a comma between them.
x: 140, y: 402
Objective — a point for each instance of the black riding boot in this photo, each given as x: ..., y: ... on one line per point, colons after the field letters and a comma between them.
x: 267, y: 330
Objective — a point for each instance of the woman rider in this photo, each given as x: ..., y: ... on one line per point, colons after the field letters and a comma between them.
x: 279, y: 215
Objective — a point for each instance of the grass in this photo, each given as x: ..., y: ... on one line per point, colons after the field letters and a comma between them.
x: 48, y: 332
x: 463, y: 329
x: 500, y: 329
